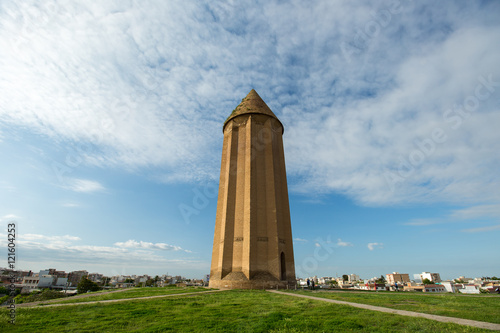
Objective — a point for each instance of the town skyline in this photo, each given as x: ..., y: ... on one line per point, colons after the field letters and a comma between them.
x: 412, y: 276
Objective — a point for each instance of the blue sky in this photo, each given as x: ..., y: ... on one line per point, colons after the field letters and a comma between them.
x: 111, y: 131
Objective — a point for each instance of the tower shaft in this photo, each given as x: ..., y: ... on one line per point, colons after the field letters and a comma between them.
x: 253, y: 238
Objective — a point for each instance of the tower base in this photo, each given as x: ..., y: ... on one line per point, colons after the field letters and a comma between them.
x: 238, y: 280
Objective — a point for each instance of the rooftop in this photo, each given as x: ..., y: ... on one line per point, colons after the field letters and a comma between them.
x: 251, y: 104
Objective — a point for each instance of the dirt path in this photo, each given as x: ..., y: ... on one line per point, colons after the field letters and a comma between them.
x: 72, y: 297
x: 46, y: 304
x: 474, y: 323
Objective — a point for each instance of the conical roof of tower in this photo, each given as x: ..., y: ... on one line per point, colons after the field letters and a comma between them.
x: 251, y: 104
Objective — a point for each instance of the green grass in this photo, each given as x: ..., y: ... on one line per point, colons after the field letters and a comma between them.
x: 475, y: 307
x: 132, y: 293
x: 227, y: 311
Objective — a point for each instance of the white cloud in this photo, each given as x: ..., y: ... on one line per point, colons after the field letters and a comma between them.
x: 343, y: 244
x: 373, y: 246
x: 423, y: 222
x: 479, y: 212
x: 300, y: 240
x: 63, y: 249
x: 328, y: 243
x: 38, y: 237
x: 9, y: 217
x: 476, y: 212
x: 130, y: 95
x: 148, y: 245
x: 85, y: 186
x: 482, y: 229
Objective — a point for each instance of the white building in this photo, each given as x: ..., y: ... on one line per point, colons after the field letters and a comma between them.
x: 434, y: 277
x: 449, y: 286
x: 46, y: 281
x: 470, y: 289
x: 30, y: 283
x: 61, y: 282
x: 325, y: 280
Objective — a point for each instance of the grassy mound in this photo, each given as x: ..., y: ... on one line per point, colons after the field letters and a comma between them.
x: 226, y: 311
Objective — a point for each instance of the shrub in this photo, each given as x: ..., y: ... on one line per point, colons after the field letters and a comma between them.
x: 37, y: 296
x: 86, y: 285
x: 4, y: 299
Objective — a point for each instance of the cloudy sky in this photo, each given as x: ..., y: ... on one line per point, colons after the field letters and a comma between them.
x: 111, y: 120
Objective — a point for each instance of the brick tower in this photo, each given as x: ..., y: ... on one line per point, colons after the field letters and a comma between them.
x: 253, y: 246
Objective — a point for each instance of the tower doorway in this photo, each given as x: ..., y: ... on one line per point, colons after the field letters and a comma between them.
x: 283, y: 266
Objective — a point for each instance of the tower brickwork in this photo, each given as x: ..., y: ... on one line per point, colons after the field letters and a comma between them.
x: 252, y: 246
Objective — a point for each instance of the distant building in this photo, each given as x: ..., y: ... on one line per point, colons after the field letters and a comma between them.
x: 396, y: 277
x: 61, y: 283
x: 464, y: 279
x: 95, y: 277
x: 30, y: 283
x: 44, y: 272
x: 46, y: 281
x: 75, y: 277
x: 325, y: 280
x: 59, y: 274
x: 491, y: 288
x: 470, y: 289
x: 123, y: 284
x: 373, y: 286
x: 428, y: 288
x: 141, y: 280
x: 433, y: 277
x: 449, y: 286
x: 353, y: 278
x: 345, y: 284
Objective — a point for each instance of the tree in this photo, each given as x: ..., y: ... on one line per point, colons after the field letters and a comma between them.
x: 427, y: 281
x: 86, y: 285
x: 381, y: 279
x: 150, y: 282
x: 129, y: 280
x: 334, y: 283
x: 345, y: 277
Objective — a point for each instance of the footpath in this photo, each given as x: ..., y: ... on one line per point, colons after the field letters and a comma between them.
x: 467, y: 322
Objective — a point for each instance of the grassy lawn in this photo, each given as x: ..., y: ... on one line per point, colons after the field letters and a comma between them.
x: 475, y: 307
x: 227, y: 311
x: 132, y: 293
